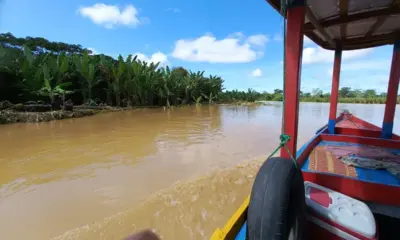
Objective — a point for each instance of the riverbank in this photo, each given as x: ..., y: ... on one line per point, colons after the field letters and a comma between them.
x: 17, y: 115
x: 12, y: 116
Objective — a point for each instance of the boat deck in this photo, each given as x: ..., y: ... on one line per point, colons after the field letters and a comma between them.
x: 324, y: 159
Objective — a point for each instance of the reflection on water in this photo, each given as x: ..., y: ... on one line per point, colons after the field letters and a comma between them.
x: 105, y: 176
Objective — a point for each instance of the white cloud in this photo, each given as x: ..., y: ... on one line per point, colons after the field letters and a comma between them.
x: 256, y: 73
x: 320, y: 55
x: 154, y: 58
x: 94, y: 51
x: 111, y: 15
x: 258, y: 39
x: 174, y: 10
x: 232, y: 49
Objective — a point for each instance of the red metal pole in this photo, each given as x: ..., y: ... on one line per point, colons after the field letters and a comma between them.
x: 391, y: 99
x: 294, y: 50
x: 335, y: 91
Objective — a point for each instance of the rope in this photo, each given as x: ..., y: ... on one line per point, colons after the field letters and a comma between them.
x: 284, y: 138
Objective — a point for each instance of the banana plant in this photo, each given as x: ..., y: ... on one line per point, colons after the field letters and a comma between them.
x: 87, y: 70
x: 47, y: 88
x: 197, y: 100
x: 51, y: 84
x: 5, y: 64
x: 30, y: 70
x: 191, y: 82
x: 166, y: 84
x: 210, y: 97
x: 117, y: 74
x: 129, y: 85
x: 60, y: 90
x: 146, y: 77
x: 106, y: 76
x: 58, y: 67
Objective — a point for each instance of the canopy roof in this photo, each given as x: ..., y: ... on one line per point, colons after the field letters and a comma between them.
x: 352, y: 24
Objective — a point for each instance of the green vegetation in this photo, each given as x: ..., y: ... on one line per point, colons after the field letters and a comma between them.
x: 37, y: 70
x: 346, y: 95
x: 34, y: 69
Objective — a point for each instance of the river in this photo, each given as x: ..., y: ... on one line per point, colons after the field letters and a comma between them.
x: 180, y: 172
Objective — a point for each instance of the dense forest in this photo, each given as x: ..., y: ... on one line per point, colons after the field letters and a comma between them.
x: 38, y: 70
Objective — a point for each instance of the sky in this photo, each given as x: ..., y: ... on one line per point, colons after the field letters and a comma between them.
x: 241, y: 41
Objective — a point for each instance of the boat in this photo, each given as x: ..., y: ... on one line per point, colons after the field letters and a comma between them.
x: 344, y: 183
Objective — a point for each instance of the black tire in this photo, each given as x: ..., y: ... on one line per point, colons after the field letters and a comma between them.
x: 277, y: 206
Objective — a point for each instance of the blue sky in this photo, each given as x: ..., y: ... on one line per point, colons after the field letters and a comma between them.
x: 242, y: 42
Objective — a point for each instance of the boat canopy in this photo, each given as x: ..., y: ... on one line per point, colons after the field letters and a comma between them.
x: 350, y: 24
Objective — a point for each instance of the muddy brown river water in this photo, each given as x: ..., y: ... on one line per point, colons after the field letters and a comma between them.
x: 180, y: 172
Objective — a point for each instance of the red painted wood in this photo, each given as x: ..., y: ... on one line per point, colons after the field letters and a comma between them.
x: 294, y: 49
x: 358, y: 132
x: 364, y: 123
x: 378, y: 142
x: 393, y: 87
x: 365, y: 191
x: 366, y: 129
x: 335, y: 84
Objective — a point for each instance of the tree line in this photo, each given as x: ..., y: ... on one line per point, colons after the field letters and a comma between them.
x: 36, y: 69
x: 346, y: 95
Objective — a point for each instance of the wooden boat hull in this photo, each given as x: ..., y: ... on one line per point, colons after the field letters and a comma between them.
x: 364, y: 184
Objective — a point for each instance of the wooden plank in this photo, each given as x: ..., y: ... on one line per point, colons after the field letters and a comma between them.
x: 379, y: 21
x: 310, y: 15
x: 308, y: 27
x: 344, y: 8
x: 359, y: 42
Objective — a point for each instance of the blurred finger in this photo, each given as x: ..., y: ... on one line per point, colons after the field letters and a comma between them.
x: 143, y: 235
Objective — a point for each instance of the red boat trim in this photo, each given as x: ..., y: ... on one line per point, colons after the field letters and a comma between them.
x: 363, y: 190
x: 358, y: 132
x: 364, y: 123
